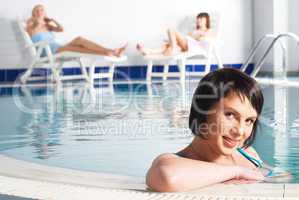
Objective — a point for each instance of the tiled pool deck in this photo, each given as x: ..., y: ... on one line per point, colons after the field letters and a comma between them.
x: 29, y: 180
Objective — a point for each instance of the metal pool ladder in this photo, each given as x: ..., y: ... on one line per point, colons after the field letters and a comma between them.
x: 275, y: 38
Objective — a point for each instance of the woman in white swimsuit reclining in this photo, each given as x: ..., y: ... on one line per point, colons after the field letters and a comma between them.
x: 194, y: 40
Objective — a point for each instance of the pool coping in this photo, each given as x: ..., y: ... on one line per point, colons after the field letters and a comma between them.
x: 31, y: 180
x: 263, y: 80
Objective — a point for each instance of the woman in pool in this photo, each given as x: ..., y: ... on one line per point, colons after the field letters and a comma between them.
x: 224, y: 115
x: 41, y: 28
x: 198, y: 39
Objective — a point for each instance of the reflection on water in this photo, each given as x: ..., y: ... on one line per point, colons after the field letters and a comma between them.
x: 278, y: 140
x: 121, y: 128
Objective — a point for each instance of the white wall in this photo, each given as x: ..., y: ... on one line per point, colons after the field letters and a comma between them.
x: 293, y: 26
x: 114, y: 22
x: 277, y: 16
x: 280, y: 20
x: 263, y: 24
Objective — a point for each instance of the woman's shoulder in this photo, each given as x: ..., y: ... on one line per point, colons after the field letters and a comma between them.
x: 30, y: 20
x: 30, y: 23
x: 165, y: 158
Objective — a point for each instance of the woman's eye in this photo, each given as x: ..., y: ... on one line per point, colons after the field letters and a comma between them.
x: 250, y: 121
x: 229, y: 115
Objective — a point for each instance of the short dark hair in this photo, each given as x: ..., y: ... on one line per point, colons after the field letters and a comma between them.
x: 217, y: 85
x: 204, y: 15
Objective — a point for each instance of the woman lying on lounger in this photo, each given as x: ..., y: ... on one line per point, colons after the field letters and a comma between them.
x: 195, y: 40
x: 41, y: 28
x: 224, y: 116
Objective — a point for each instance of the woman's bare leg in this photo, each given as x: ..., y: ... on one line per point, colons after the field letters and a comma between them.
x: 146, y: 51
x: 80, y: 49
x: 175, y: 38
x: 96, y: 48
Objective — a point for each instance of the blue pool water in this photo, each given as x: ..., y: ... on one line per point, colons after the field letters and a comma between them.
x: 120, y: 129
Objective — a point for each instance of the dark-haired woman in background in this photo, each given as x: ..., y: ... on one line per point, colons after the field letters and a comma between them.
x: 194, y: 41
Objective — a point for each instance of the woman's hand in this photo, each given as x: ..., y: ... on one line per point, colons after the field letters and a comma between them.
x: 200, y: 37
x: 48, y: 20
x: 244, y: 173
x: 53, y: 25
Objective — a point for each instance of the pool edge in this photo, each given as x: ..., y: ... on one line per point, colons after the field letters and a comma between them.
x: 26, y: 179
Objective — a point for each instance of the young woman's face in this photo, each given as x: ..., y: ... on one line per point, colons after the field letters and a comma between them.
x: 39, y: 12
x: 230, y: 124
x: 201, y: 22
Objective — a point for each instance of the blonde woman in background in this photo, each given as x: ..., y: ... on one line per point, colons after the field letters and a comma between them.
x: 40, y: 28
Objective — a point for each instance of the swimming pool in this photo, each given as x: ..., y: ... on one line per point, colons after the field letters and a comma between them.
x: 119, y: 129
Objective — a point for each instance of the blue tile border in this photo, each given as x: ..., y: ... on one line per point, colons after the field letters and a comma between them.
x: 121, y: 73
x: 2, y: 75
x: 9, y: 197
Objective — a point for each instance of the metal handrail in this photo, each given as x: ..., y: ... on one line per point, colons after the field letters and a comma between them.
x: 257, y: 45
x: 261, y: 61
x: 254, y: 49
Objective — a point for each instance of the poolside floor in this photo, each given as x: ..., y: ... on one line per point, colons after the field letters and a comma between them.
x: 29, y: 180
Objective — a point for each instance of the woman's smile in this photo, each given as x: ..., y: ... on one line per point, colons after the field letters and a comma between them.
x: 229, y: 142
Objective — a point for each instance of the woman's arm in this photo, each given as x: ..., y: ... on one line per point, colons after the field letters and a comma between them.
x: 170, y: 173
x: 201, y: 35
x: 53, y: 25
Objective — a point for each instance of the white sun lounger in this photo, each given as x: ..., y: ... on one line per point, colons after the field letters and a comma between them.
x: 180, y: 58
x: 55, y: 62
